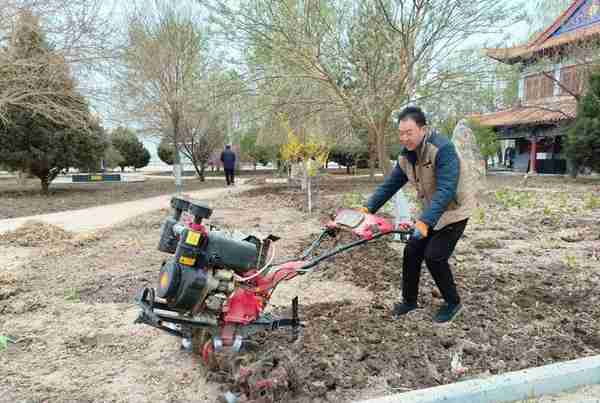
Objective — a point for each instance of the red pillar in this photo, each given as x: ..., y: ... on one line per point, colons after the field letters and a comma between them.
x: 532, y: 156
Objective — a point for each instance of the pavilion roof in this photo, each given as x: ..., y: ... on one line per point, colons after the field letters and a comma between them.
x: 579, y: 22
x: 561, y: 109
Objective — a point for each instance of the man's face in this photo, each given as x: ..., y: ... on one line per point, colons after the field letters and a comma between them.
x: 410, y: 134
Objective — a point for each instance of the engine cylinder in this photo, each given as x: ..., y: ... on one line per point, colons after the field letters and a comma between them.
x: 224, y: 251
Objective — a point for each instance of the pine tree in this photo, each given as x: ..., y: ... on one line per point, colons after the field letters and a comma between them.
x: 130, y: 147
x: 166, y: 152
x: 142, y: 157
x: 32, y: 142
x: 583, y: 136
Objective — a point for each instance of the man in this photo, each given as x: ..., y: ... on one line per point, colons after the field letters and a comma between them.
x: 430, y: 162
x: 228, y: 160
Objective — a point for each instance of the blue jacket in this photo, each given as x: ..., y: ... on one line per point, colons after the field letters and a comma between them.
x: 228, y: 159
x: 435, y: 169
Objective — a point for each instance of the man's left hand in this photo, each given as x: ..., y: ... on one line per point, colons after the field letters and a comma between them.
x: 422, y: 228
x: 405, y: 225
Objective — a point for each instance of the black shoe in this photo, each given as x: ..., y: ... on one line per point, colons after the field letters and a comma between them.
x: 447, y: 313
x: 403, y: 309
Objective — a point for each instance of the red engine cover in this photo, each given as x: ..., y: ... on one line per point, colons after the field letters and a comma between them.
x: 243, y: 307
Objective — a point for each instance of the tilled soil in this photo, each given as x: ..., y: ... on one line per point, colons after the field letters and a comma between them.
x: 527, y: 269
x: 527, y: 280
x: 513, y: 319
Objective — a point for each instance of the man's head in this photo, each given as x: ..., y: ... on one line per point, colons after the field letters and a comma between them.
x: 228, y: 146
x: 412, y: 127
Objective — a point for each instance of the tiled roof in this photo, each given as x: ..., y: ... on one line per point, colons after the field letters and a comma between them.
x: 531, y: 114
x: 523, y: 52
x: 545, y: 40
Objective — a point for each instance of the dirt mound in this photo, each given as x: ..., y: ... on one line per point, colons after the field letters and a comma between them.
x: 376, y: 266
x: 35, y: 233
x: 281, y: 195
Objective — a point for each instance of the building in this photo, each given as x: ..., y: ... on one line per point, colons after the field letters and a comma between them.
x: 553, y: 70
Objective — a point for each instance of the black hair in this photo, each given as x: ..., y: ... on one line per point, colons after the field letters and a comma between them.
x: 227, y: 146
x: 413, y: 113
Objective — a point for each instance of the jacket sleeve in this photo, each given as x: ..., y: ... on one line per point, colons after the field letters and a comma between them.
x: 222, y: 157
x: 447, y: 172
x: 387, y: 189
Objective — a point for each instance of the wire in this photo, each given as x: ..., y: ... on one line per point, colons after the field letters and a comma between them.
x: 265, y: 267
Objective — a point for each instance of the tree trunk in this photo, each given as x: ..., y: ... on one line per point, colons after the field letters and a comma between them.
x: 382, y: 149
x: 304, y: 176
x: 21, y: 178
x: 572, y: 168
x: 45, y: 184
x: 372, y: 156
x: 199, y: 170
x: 372, y: 163
x: 202, y: 169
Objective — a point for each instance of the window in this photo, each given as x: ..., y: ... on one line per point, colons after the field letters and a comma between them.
x: 572, y: 78
x: 539, y: 86
x: 547, y: 85
x: 531, y: 87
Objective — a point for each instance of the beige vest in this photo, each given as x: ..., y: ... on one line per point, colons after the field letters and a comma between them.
x: 422, y: 176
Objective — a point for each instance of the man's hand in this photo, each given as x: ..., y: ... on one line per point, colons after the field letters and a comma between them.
x: 405, y: 225
x: 422, y: 228
x: 364, y: 210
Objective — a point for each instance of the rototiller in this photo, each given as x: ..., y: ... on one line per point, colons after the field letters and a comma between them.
x: 213, y: 292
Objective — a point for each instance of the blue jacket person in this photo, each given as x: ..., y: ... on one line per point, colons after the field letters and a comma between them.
x: 431, y: 163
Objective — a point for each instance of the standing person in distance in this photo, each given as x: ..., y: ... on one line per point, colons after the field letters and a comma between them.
x: 228, y: 160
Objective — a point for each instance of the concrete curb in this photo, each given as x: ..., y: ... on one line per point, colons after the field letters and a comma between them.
x: 509, y: 387
x: 113, y: 177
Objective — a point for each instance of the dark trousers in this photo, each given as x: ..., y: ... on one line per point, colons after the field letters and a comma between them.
x: 229, y: 176
x: 436, y: 249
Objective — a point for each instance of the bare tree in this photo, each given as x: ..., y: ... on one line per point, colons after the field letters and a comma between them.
x: 81, y: 37
x: 162, y: 71
x: 202, y: 134
x: 366, y: 58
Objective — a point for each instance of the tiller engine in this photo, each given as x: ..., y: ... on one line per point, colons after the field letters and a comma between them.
x: 214, y: 289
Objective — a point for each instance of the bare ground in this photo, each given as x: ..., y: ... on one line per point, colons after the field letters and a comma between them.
x: 26, y: 200
x: 527, y: 268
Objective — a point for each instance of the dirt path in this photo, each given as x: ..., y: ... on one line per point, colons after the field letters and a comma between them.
x: 26, y: 200
x: 93, y: 218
